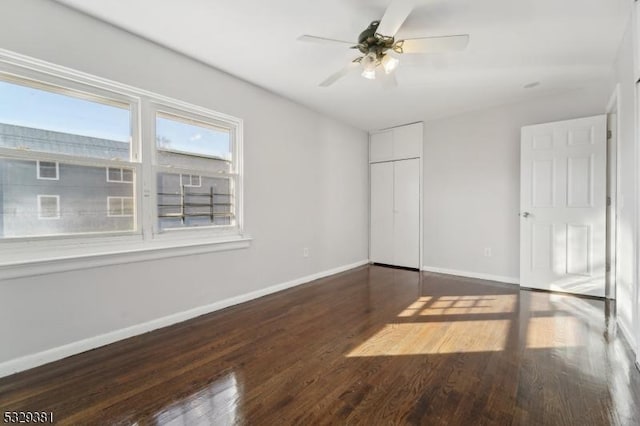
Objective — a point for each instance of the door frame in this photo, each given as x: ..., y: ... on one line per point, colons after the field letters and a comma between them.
x: 613, y: 175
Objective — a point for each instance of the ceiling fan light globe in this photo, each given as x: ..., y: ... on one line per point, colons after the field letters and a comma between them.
x: 369, y: 62
x: 389, y: 63
x: 369, y: 74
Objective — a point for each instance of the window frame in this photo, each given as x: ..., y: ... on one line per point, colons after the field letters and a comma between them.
x: 207, y: 117
x: 67, y: 251
x: 38, y: 175
x: 63, y: 83
x: 39, y: 202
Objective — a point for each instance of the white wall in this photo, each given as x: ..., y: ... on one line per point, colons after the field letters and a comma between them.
x: 306, y: 185
x: 472, y: 181
x: 625, y: 271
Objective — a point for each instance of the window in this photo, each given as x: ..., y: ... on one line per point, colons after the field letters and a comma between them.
x: 61, y: 128
x: 48, y: 207
x: 118, y: 174
x: 205, y: 194
x: 47, y: 170
x: 131, y: 167
x: 119, y: 206
x: 191, y: 180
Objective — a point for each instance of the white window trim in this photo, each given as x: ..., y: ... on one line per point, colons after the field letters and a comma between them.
x: 121, y: 200
x: 190, y: 185
x: 57, y: 198
x: 19, y: 255
x: 72, y: 255
x: 48, y: 178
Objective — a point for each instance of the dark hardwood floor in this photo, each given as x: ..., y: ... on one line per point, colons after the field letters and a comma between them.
x: 370, y: 346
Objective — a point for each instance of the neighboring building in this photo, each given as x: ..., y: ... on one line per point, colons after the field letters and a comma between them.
x: 47, y: 198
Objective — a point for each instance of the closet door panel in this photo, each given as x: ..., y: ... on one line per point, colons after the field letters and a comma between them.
x: 406, y: 229
x: 381, y: 238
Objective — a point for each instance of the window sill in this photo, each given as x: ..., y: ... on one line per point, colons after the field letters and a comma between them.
x: 84, y: 257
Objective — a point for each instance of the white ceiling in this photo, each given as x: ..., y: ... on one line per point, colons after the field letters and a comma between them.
x: 564, y: 44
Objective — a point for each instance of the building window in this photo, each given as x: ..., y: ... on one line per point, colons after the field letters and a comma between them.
x: 119, y: 174
x: 192, y: 181
x: 48, y: 170
x: 48, y: 207
x: 119, y: 206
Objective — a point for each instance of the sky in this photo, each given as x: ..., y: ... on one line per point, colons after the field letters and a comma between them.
x: 24, y: 106
x: 29, y: 107
x: 193, y: 139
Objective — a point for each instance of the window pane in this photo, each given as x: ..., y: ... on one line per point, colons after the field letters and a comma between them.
x: 48, y: 207
x: 48, y: 170
x: 82, y: 191
x: 127, y: 175
x: 191, y: 180
x: 115, y: 206
x: 115, y: 174
x: 191, y: 137
x: 127, y: 206
x: 210, y: 204
x: 41, y: 120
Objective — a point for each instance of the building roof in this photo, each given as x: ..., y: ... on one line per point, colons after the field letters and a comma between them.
x: 29, y: 138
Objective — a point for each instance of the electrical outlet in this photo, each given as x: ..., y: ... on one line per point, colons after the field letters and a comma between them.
x: 487, y: 252
x: 305, y: 252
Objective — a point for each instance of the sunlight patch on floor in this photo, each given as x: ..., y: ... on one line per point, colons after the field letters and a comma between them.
x: 436, y: 338
x: 459, y: 305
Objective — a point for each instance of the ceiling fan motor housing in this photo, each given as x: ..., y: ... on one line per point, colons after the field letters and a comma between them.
x: 369, y: 41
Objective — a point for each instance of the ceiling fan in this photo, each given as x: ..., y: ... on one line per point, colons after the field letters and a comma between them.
x: 380, y: 49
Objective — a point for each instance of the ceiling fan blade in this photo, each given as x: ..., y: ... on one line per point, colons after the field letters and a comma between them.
x: 434, y: 44
x: 338, y: 75
x: 394, y: 17
x: 324, y: 40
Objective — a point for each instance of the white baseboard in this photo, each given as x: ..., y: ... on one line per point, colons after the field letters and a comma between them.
x: 628, y: 336
x: 478, y: 275
x: 30, y: 361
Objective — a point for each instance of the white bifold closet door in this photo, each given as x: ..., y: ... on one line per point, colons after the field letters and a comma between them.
x: 395, y: 213
x: 382, y: 213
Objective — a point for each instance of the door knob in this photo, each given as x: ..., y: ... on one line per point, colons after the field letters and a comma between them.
x: 525, y: 214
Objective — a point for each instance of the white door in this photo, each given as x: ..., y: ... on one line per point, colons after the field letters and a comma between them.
x: 381, y: 238
x: 406, y: 212
x: 563, y: 206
